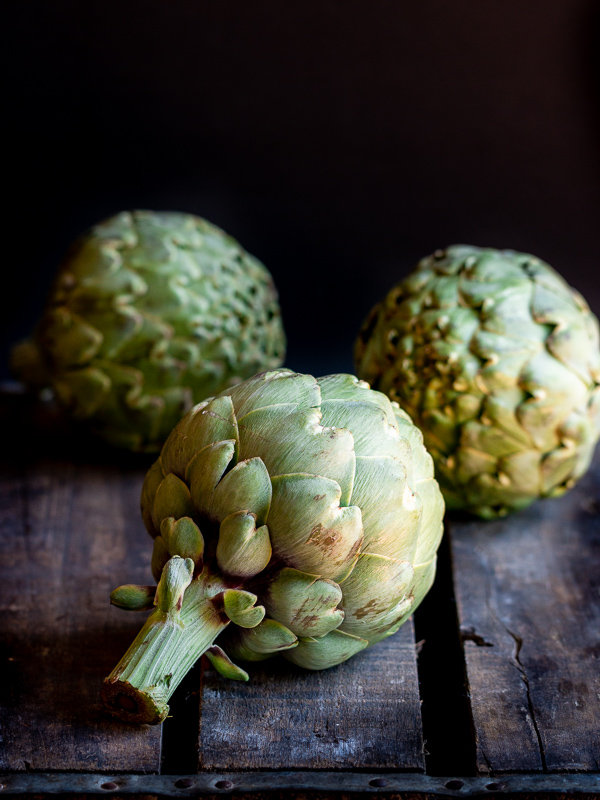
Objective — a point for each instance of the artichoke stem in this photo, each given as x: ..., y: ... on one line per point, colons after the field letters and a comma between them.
x: 165, y: 649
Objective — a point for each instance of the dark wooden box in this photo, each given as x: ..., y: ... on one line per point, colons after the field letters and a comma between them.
x: 493, y: 688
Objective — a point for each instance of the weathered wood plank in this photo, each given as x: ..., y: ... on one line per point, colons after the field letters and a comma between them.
x: 69, y: 533
x: 364, y: 713
x: 529, y: 608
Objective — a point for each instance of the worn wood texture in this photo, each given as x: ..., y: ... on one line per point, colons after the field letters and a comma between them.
x: 528, y: 601
x: 364, y: 713
x: 529, y: 609
x: 69, y: 533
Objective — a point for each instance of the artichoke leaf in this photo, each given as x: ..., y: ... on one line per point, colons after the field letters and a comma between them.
x: 154, y: 477
x: 274, y: 388
x: 494, y: 496
x: 160, y: 556
x: 509, y: 315
x: 440, y: 429
x: 243, y: 549
x: 374, y: 588
x: 265, y: 640
x: 95, y: 259
x: 223, y: 664
x: 69, y: 339
x: 423, y: 578
x: 557, y: 468
x: 176, y: 577
x: 306, y: 604
x: 431, y: 527
x: 499, y: 409
x: 554, y: 391
x: 421, y: 460
x: 327, y: 651
x: 390, y: 509
x: 246, y: 487
x: 172, y: 499
x: 373, y: 434
x: 569, y: 339
x: 349, y: 387
x: 205, y: 470
x: 119, y: 325
x: 127, y: 382
x: 471, y: 463
x: 82, y: 390
x: 208, y: 423
x: 132, y: 597
x: 182, y: 537
x: 522, y: 470
x: 288, y: 440
x: 393, y: 620
x: 310, y: 530
x: 104, y: 289
x: 240, y: 607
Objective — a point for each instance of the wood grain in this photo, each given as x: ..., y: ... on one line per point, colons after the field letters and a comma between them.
x: 69, y: 533
x: 527, y: 591
x: 364, y: 713
x: 529, y: 608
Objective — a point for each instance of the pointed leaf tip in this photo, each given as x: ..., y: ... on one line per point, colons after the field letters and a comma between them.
x: 223, y: 664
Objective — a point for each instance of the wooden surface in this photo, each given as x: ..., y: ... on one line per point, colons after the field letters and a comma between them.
x: 528, y: 593
x: 69, y: 533
x: 365, y: 713
x: 527, y: 600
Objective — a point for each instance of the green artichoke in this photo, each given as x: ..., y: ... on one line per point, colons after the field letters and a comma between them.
x: 290, y: 515
x: 150, y: 313
x: 497, y: 360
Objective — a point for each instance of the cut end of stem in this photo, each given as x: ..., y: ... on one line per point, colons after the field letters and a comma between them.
x: 132, y: 705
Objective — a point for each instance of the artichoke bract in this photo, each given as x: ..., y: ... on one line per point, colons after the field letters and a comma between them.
x: 497, y: 360
x: 151, y: 312
x: 290, y: 515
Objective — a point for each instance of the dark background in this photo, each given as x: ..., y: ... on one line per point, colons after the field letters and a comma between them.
x: 339, y: 140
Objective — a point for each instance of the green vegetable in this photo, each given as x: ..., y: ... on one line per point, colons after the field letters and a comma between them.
x: 290, y: 515
x: 151, y: 312
x: 497, y: 360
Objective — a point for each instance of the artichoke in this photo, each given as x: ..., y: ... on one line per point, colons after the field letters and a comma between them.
x: 149, y: 314
x: 290, y: 515
x: 497, y: 360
